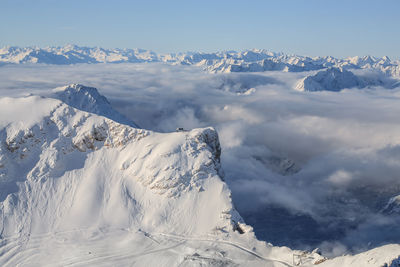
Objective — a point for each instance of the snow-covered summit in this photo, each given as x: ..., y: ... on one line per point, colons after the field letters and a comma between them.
x: 89, y: 99
x: 331, y: 79
x: 72, y: 54
x: 335, y: 79
x: 254, y: 60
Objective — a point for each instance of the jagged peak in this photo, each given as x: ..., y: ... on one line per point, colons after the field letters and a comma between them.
x: 79, y: 95
x: 76, y: 88
x: 90, y: 100
x: 251, y: 60
x: 330, y: 79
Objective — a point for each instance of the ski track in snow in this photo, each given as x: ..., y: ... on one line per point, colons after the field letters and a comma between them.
x: 225, y: 242
x: 21, y: 250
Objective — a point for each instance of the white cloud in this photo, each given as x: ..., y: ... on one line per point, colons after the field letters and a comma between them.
x: 340, y: 178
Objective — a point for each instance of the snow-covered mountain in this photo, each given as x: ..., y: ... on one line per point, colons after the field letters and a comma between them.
x: 114, y: 193
x: 72, y: 54
x: 335, y: 79
x: 255, y: 60
x: 88, y: 99
x: 80, y: 188
x: 332, y: 79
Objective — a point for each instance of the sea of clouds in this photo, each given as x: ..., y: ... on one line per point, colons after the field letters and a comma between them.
x: 344, y: 147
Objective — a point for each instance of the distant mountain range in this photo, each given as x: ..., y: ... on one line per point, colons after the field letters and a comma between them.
x: 256, y: 60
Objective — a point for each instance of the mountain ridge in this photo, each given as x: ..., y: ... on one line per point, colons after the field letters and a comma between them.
x: 255, y: 60
x: 336, y: 79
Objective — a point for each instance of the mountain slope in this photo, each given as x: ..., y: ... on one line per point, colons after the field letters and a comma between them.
x: 71, y: 178
x: 92, y: 149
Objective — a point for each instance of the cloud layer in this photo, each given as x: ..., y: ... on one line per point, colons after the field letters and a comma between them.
x: 306, y: 169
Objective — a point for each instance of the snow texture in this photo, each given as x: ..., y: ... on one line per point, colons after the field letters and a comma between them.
x: 72, y: 178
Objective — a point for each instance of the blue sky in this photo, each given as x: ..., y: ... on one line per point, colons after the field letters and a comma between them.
x: 308, y: 27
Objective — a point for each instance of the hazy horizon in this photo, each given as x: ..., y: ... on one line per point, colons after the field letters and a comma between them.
x: 313, y: 28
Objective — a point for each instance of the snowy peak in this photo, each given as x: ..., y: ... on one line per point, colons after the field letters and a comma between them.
x: 90, y: 100
x: 81, y: 97
x: 331, y: 79
x: 336, y: 79
x: 384, y: 61
x: 255, y: 60
x: 72, y: 54
x: 363, y: 61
